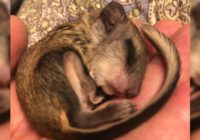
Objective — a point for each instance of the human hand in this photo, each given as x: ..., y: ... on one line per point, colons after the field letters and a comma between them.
x: 195, y: 135
x: 20, y: 128
x: 172, y: 122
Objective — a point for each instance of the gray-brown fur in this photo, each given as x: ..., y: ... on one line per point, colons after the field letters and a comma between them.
x: 194, y: 68
x: 58, y: 78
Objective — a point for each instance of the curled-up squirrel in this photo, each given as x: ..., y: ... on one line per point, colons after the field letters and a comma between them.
x: 65, y: 81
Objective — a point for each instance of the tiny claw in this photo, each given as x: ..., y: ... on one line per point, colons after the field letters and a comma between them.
x: 97, y: 99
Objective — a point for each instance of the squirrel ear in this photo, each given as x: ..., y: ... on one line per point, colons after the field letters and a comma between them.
x: 112, y: 15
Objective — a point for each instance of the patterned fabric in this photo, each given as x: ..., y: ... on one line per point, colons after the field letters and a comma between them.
x: 169, y: 9
x: 41, y: 16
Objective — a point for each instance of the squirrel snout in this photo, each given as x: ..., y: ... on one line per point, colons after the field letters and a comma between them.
x: 117, y: 86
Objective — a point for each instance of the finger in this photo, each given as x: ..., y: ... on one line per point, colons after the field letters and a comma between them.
x: 168, y: 27
x: 19, y: 41
x: 172, y: 120
x: 195, y: 135
x: 182, y: 41
x: 155, y: 73
x: 177, y: 108
x: 4, y: 131
x: 19, y: 126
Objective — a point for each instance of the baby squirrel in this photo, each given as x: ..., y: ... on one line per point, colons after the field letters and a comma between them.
x: 64, y: 81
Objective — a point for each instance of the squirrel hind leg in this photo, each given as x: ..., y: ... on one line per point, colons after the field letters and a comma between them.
x: 105, y: 114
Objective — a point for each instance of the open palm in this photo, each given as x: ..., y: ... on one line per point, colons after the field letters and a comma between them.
x: 171, y: 122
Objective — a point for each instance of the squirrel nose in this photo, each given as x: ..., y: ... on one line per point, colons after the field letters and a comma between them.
x: 117, y: 86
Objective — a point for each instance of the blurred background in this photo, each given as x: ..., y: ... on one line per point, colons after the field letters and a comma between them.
x: 42, y: 16
x: 4, y: 69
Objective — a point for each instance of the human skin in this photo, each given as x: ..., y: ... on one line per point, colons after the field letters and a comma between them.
x: 195, y: 135
x: 171, y: 122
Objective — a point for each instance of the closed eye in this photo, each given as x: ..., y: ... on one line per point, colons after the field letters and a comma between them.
x: 130, y: 57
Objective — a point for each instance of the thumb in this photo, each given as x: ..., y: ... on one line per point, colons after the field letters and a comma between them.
x: 19, y: 41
